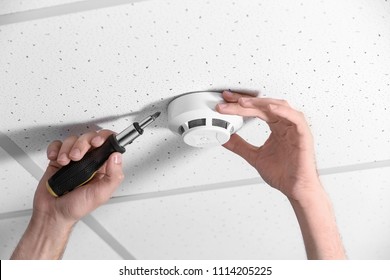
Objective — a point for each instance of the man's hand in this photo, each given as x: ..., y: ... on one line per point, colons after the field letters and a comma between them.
x: 54, y: 217
x: 81, y: 201
x: 286, y: 161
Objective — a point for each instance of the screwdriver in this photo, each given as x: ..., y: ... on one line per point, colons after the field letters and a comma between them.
x: 78, y: 173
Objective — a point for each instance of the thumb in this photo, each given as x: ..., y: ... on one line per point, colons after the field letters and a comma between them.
x: 242, y: 148
x: 114, y: 173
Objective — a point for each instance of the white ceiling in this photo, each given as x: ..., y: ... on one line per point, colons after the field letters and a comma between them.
x: 8, y: 6
x: 84, y: 67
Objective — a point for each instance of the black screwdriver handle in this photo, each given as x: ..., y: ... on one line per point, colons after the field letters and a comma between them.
x: 78, y: 173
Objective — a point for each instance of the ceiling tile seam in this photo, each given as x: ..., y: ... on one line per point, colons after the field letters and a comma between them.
x: 20, y: 156
x: 30, y: 166
x: 92, y: 223
x: 59, y: 10
x: 354, y: 167
x: 243, y: 182
x: 208, y: 187
x: 104, y: 234
x: 216, y: 186
x: 15, y: 214
x: 95, y: 226
x: 187, y: 190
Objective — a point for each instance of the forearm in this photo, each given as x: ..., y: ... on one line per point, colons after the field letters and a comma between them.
x: 318, y: 225
x: 44, y: 238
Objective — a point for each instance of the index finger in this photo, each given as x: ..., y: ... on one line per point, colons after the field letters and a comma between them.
x: 239, y: 108
x: 230, y: 96
x: 277, y: 107
x: 86, y: 141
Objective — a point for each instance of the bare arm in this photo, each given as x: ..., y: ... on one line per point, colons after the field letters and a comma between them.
x: 318, y: 226
x: 286, y: 161
x: 53, y: 218
x: 44, y: 238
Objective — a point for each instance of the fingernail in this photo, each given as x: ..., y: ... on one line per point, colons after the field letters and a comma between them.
x: 76, y: 153
x: 222, y: 105
x: 98, y: 140
x: 228, y: 93
x: 118, y: 159
x: 52, y: 155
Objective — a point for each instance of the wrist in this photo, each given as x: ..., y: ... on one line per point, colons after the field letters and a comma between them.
x: 306, y: 192
x: 311, y: 200
x: 55, y: 224
x: 45, y: 238
x: 317, y: 221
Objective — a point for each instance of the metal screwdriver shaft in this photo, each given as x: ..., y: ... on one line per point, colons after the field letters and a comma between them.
x: 131, y: 133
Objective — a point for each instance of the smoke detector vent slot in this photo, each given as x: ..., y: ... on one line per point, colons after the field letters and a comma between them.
x: 220, y: 123
x: 195, y: 123
x: 193, y: 116
x: 181, y: 130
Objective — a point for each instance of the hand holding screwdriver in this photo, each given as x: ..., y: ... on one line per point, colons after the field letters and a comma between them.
x: 78, y: 173
x: 53, y: 218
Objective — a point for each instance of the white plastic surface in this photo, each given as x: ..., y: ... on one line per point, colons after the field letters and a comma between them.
x: 200, y: 106
x: 206, y: 136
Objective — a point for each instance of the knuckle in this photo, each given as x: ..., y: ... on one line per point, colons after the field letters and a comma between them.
x: 100, y: 197
x: 55, y: 145
x: 56, y: 142
x: 301, y: 114
x: 121, y: 177
x: 284, y: 102
x: 70, y: 139
x: 88, y: 135
x: 84, y: 141
x: 105, y: 132
x: 86, y: 138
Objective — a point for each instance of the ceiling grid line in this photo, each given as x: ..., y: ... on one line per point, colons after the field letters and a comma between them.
x: 30, y: 166
x: 354, y: 167
x: 59, y: 10
x: 104, y: 234
x: 20, y: 156
x: 215, y: 186
x: 15, y: 214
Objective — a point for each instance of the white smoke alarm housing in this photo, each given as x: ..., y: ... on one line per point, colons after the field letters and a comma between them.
x: 193, y: 116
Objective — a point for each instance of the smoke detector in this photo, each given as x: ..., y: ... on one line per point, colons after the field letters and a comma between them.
x: 193, y: 116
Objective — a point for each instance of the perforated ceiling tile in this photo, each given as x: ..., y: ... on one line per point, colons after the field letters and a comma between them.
x: 10, y: 6
x: 248, y: 222
x: 11, y: 231
x: 161, y: 161
x: 17, y: 186
x: 85, y: 244
x: 362, y: 204
x: 109, y: 67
